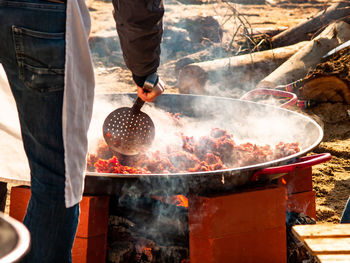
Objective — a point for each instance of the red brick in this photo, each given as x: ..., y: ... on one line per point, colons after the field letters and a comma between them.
x: 19, y: 199
x: 93, y: 220
x: 303, y: 203
x: 90, y: 242
x: 89, y: 250
x: 299, y: 181
x: 254, y: 210
x: 252, y: 247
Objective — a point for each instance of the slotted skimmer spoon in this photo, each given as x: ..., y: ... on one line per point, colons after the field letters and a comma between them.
x: 129, y: 131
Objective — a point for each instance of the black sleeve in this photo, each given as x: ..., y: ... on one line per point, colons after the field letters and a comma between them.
x: 140, y: 29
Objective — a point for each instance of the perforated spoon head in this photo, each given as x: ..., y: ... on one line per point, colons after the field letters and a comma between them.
x: 128, y: 131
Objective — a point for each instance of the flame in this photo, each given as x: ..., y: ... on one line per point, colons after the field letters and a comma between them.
x: 147, y: 251
x: 182, y: 200
x: 283, y: 181
x: 178, y: 200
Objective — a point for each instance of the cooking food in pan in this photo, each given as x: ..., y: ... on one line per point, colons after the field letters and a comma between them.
x: 217, y: 150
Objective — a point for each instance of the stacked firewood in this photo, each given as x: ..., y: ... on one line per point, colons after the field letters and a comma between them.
x: 314, y: 54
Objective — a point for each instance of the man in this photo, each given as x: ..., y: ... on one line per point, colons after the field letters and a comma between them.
x: 346, y: 213
x: 44, y: 51
x: 140, y: 28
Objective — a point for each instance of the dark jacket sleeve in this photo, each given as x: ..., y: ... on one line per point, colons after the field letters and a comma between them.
x: 140, y: 29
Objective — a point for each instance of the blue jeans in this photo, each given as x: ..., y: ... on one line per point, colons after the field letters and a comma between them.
x: 32, y: 52
x: 346, y: 213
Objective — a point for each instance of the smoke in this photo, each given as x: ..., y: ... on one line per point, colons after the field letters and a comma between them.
x: 247, y: 121
x: 167, y: 129
x: 102, y: 107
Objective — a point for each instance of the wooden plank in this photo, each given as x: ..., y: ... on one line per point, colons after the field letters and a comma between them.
x: 321, y: 230
x: 334, y: 258
x: 328, y: 242
x: 336, y: 245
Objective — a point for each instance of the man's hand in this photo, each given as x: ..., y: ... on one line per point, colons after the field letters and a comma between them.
x: 153, y: 87
x: 149, y: 96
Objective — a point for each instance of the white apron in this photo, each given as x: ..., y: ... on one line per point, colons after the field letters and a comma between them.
x: 78, y: 98
x: 77, y: 109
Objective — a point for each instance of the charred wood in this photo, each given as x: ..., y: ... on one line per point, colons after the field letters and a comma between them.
x: 152, y: 218
x: 296, y: 250
x: 143, y: 229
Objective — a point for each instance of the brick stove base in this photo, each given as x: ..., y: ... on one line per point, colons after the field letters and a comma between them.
x: 240, y: 227
x: 300, y: 193
x: 249, y: 226
x: 90, y: 243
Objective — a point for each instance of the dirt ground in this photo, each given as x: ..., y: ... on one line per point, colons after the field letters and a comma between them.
x: 331, y: 179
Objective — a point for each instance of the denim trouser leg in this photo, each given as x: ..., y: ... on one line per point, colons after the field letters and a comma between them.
x: 32, y: 51
x: 346, y: 213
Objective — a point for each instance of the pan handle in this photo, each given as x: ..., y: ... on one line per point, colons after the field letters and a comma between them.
x: 302, y: 162
x: 280, y: 93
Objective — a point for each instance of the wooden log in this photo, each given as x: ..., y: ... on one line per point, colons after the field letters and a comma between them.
x: 297, y: 66
x: 329, y: 81
x: 306, y: 30
x: 269, y: 31
x: 211, y: 53
x: 238, y: 69
x: 215, y: 51
x: 326, y: 89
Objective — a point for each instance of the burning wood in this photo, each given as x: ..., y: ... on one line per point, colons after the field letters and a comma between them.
x: 178, y: 200
x: 296, y: 250
x: 147, y: 230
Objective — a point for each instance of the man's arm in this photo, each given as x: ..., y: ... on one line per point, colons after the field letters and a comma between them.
x: 140, y: 28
